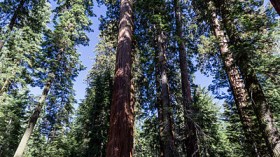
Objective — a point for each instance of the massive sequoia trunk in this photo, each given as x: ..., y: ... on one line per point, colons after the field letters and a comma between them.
x: 33, y: 119
x: 164, y: 106
x: 190, y: 130
x: 237, y: 85
x: 276, y: 5
x: 120, y: 142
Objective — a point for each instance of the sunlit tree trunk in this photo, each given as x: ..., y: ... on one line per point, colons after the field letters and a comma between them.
x: 257, y: 98
x: 33, y: 119
x: 120, y: 142
x: 237, y: 85
x: 190, y: 131
x: 276, y: 5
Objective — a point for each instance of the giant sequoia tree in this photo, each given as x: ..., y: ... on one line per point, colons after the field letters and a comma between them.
x: 122, y: 109
x: 62, y: 64
x: 144, y: 76
x: 245, y: 61
x: 250, y: 86
x: 191, y: 143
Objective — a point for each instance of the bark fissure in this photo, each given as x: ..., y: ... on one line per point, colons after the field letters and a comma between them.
x: 120, y: 142
x: 237, y: 84
x: 255, y: 93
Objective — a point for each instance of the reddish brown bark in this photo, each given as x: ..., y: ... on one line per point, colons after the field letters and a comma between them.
x: 237, y: 84
x: 276, y: 5
x: 120, y: 142
x: 191, y: 143
x: 165, y: 110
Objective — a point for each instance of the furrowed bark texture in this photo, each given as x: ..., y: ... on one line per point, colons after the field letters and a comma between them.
x: 190, y: 132
x: 33, y: 119
x: 120, y: 142
x: 256, y: 94
x: 276, y: 5
x: 237, y: 84
x: 165, y: 110
x: 263, y: 112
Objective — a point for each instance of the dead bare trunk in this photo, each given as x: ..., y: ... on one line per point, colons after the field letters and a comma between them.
x: 165, y: 109
x: 276, y: 5
x: 237, y: 84
x: 33, y: 119
x: 120, y: 142
x: 191, y: 143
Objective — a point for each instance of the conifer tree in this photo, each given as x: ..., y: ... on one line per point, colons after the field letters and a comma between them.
x: 235, y: 78
x: 191, y: 139
x: 122, y: 108
x: 94, y: 111
x: 212, y: 140
x: 63, y: 64
x: 21, y: 38
x: 257, y: 96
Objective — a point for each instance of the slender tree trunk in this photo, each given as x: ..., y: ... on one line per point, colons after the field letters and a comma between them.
x: 255, y: 92
x: 190, y: 132
x: 5, y: 86
x: 276, y: 5
x: 262, y: 111
x: 33, y: 119
x: 120, y: 142
x: 158, y: 103
x: 13, y: 20
x: 165, y: 110
x: 11, y: 26
x: 237, y: 84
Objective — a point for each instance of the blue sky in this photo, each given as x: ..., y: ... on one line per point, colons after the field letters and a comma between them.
x: 87, y: 53
x: 87, y: 58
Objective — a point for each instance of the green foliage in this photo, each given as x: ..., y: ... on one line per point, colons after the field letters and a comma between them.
x: 213, y: 140
x: 32, y: 52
